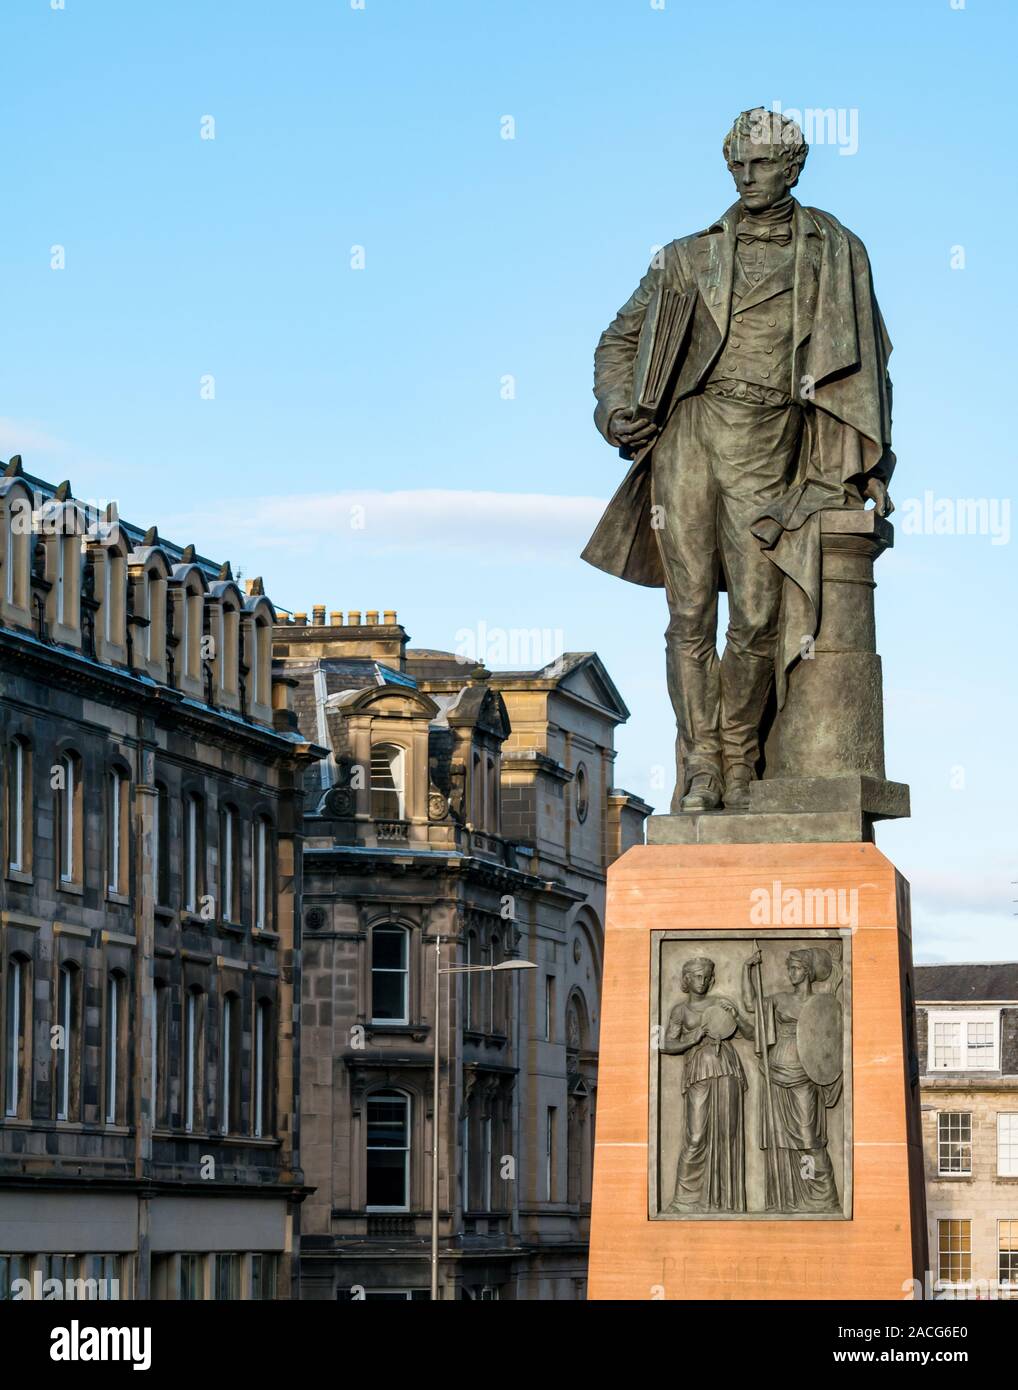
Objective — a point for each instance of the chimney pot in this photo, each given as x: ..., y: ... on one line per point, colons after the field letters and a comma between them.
x: 371, y: 617
x: 390, y: 617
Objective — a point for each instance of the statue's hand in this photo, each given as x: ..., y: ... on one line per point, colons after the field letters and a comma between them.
x: 877, y: 490
x: 631, y: 433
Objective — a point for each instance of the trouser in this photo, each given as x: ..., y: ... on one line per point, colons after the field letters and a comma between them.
x: 716, y: 467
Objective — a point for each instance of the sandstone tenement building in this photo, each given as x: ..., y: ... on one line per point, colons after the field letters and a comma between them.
x: 478, y: 808
x: 152, y: 787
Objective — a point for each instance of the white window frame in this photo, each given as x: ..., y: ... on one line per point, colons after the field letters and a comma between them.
x: 65, y: 1006
x: 226, y: 1064
x: 389, y: 1095
x: 1010, y: 1169
x: 16, y: 798
x: 115, y: 783
x: 231, y: 825
x: 397, y: 772
x: 263, y: 879
x: 486, y: 1163
x: 551, y: 1119
x: 963, y: 1018
x: 1008, y: 1287
x: 112, y: 1046
x: 13, y: 1026
x: 193, y: 849
x: 942, y: 1143
x: 262, y: 1008
x: 948, y: 1284
x: 466, y: 1162
x: 404, y: 970
x: 68, y: 829
x: 191, y: 1036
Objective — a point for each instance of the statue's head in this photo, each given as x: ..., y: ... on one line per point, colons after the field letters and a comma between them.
x: 812, y: 963
x: 765, y: 153
x: 697, y: 975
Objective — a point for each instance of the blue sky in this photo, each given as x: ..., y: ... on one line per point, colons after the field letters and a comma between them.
x: 487, y: 259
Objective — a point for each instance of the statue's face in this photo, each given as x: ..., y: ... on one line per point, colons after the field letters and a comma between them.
x: 699, y: 979
x: 796, y: 971
x: 760, y: 171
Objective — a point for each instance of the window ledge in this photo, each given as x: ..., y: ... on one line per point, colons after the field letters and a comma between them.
x: 187, y: 1136
x: 417, y: 1031
x: 76, y: 889
x: 263, y: 934
x: 122, y: 898
x: 19, y: 876
x: 164, y: 914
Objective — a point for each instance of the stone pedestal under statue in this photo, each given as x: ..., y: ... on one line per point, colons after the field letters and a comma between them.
x: 758, y: 1132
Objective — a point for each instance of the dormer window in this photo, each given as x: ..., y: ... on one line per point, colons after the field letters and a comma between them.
x: 388, y: 782
x: 64, y: 528
x: 110, y: 566
x: 964, y: 1040
x: 16, y: 555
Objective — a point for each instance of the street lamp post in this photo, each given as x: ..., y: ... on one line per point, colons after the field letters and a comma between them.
x: 436, y: 1059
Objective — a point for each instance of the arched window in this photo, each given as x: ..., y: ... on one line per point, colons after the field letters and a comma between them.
x: 194, y: 852
x: 117, y: 832
x: 476, y: 790
x: 264, y: 1078
x: 388, y: 800
x: 388, y: 1151
x: 19, y: 806
x: 115, y: 1051
x: 390, y: 976
x: 491, y: 796
x: 194, y: 1059
x: 264, y: 877
x: 17, y: 1033
x: 497, y: 980
x: 229, y: 1065
x: 161, y: 844
x: 470, y: 1012
x: 68, y: 1040
x: 160, y: 1053
x: 69, y: 820
x: 229, y: 864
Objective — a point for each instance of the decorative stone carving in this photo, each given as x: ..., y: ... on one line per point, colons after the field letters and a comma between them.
x: 751, y: 1075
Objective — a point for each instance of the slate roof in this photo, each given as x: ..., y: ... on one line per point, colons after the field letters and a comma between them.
x: 979, y: 982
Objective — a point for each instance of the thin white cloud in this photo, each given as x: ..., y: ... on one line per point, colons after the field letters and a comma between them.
x: 429, y: 520
x: 941, y: 893
x: 23, y: 436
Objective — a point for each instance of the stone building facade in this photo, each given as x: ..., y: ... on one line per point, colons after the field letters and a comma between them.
x: 150, y: 827
x: 475, y: 810
x: 967, y: 1031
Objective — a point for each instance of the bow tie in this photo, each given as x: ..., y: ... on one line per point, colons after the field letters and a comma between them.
x: 780, y: 232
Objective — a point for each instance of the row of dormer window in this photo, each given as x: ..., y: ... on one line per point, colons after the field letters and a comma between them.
x: 85, y: 587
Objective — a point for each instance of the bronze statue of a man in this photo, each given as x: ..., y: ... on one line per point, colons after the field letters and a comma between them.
x: 777, y: 405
